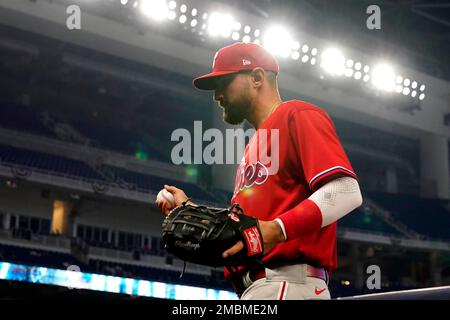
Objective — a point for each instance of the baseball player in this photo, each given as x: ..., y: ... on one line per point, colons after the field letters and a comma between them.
x: 298, y: 200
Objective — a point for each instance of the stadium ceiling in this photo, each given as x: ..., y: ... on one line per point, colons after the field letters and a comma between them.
x: 417, y: 29
x: 124, y: 28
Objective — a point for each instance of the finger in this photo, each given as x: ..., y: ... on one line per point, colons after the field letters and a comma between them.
x: 233, y: 250
x: 166, y: 209
x: 160, y: 205
x: 171, y: 189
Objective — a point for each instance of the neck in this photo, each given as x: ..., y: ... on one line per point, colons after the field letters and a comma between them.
x: 262, y: 110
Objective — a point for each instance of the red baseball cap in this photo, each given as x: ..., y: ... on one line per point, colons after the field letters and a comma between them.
x: 234, y: 58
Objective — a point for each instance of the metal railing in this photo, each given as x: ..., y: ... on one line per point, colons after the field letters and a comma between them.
x: 36, y: 241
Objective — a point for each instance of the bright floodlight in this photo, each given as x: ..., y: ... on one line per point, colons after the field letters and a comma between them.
x: 278, y: 41
x: 383, y: 77
x: 348, y: 72
x: 333, y: 61
x: 155, y: 9
x: 182, y: 19
x: 220, y: 24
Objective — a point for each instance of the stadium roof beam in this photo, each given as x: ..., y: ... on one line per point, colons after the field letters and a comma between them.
x: 431, y: 17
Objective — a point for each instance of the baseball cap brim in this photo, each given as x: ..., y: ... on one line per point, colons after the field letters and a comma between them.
x: 208, y: 81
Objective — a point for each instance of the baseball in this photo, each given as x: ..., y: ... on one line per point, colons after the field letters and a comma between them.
x: 165, y: 196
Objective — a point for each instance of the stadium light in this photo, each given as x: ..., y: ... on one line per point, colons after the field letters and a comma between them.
x: 156, y: 9
x: 220, y: 24
x: 383, y: 77
x: 246, y: 38
x: 278, y: 41
x: 182, y: 19
x: 172, y: 5
x: 171, y: 15
x: 333, y: 61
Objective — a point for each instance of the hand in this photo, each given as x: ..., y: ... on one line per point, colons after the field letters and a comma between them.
x: 271, y: 233
x: 179, y: 197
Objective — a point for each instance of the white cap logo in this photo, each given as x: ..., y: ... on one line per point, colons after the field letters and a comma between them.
x: 246, y: 62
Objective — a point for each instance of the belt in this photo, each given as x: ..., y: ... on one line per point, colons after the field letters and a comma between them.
x: 319, y: 273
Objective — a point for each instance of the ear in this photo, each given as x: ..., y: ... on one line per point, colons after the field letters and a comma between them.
x: 257, y: 77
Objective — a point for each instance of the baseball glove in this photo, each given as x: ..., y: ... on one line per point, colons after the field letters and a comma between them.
x: 200, y: 234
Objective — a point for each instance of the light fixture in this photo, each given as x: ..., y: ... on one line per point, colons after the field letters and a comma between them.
x: 156, y: 9
x: 383, y: 77
x: 220, y: 24
x: 333, y: 61
x: 278, y: 41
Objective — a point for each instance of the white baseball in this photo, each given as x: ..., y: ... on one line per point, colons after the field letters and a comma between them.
x: 166, y: 196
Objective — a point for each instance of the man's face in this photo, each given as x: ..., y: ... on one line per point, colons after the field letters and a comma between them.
x: 232, y: 94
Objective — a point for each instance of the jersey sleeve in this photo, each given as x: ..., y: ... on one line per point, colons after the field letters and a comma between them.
x: 317, y: 147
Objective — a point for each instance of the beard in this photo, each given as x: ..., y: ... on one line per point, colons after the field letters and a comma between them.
x: 233, y: 115
x: 234, y: 112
